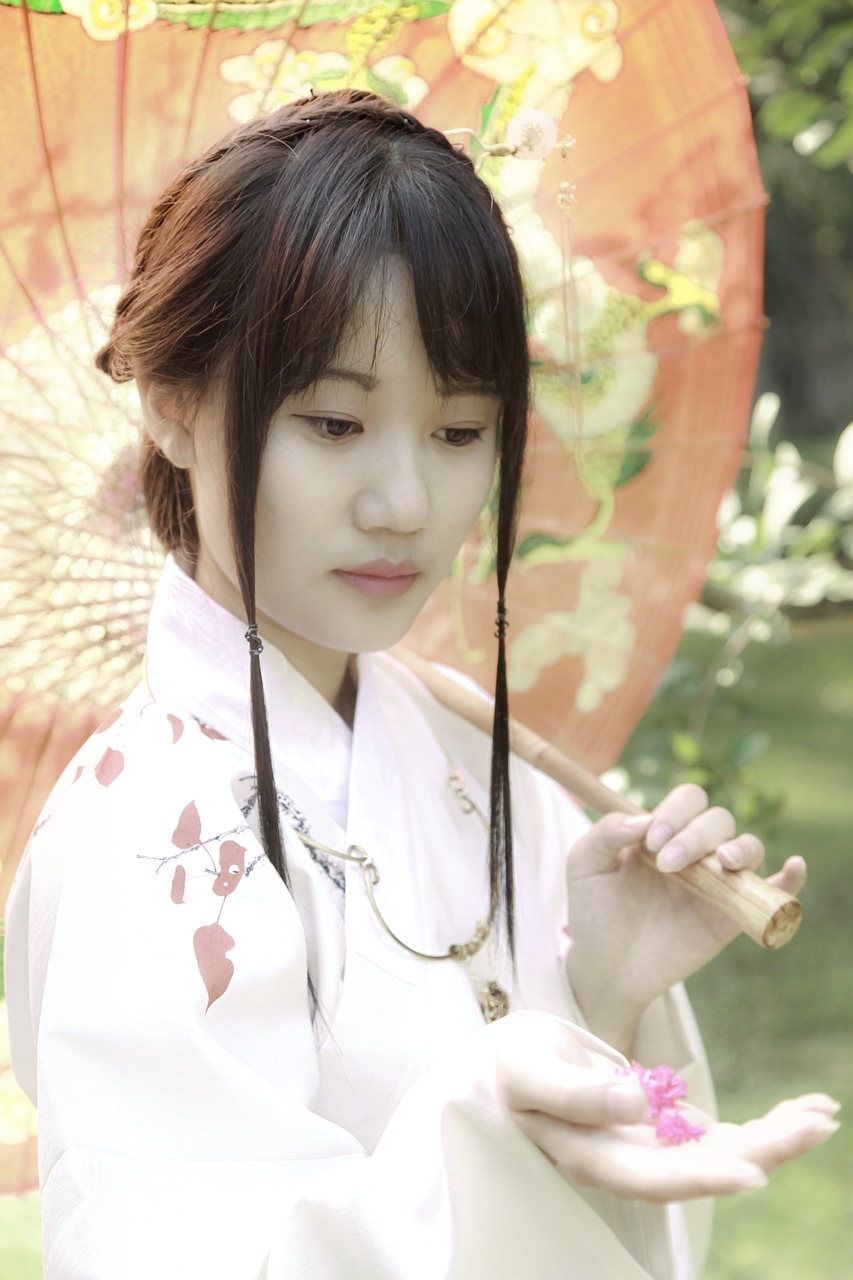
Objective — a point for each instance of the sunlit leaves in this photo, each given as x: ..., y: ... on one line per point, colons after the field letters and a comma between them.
x: 799, y: 57
x: 787, y: 114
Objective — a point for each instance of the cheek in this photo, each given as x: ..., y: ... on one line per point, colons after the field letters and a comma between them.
x: 297, y: 516
x: 464, y: 498
x: 286, y: 497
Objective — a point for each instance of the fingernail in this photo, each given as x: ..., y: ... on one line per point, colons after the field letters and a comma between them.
x: 672, y: 858
x: 658, y: 836
x: 731, y: 856
x: 626, y: 1103
x: 637, y: 823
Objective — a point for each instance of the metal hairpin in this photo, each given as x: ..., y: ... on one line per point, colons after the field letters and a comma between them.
x: 486, y: 149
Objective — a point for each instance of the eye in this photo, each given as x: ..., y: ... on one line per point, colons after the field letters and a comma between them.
x: 460, y: 436
x: 333, y: 428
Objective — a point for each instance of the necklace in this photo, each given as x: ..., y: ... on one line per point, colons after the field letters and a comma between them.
x: 494, y: 1001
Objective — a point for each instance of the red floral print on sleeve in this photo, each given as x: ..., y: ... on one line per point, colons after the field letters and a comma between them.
x: 211, y: 943
x: 109, y: 766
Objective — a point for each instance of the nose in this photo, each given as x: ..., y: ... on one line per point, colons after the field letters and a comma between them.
x: 395, y: 494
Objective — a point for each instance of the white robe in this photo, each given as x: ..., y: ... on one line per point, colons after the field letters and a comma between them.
x: 204, y: 1128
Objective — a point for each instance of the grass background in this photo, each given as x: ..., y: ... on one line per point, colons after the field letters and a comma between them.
x: 781, y: 1023
x: 775, y: 1023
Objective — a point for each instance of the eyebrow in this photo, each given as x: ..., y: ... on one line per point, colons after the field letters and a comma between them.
x: 368, y: 382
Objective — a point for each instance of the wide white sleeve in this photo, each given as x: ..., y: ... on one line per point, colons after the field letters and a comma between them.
x: 178, y: 1137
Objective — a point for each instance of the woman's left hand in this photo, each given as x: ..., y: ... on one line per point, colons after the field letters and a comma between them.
x: 637, y: 930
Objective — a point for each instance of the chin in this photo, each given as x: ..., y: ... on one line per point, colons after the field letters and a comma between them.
x: 377, y: 637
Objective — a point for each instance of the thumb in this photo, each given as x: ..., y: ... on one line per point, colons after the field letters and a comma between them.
x: 600, y: 848
x: 792, y: 877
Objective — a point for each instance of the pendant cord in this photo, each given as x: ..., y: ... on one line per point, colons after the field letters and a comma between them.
x: 370, y: 873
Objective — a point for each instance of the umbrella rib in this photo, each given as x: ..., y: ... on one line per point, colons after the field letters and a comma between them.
x: 626, y: 32
x: 62, y: 350
x: 695, y: 341
x: 58, y: 342
x: 195, y: 92
x: 648, y: 140
x: 293, y: 25
x: 453, y: 63
x: 121, y: 119
x: 643, y: 19
x: 633, y: 251
x: 35, y: 385
x: 48, y: 160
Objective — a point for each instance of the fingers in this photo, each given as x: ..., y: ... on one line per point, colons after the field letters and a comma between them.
x: 600, y: 848
x: 591, y: 1122
x: 821, y: 1102
x: 628, y: 1160
x: 680, y: 831
x: 545, y: 1066
x: 792, y: 877
x: 576, y: 1096
x: 573, y: 1095
x: 674, y: 812
x: 746, y: 853
x: 789, y: 1130
x: 684, y: 830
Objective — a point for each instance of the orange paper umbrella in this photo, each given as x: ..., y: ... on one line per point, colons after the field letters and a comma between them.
x: 616, y: 137
x: 637, y: 209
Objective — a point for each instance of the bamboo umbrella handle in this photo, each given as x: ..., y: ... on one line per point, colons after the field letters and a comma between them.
x: 768, y: 914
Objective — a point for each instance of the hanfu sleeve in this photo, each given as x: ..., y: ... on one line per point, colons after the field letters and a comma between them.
x: 177, y: 1136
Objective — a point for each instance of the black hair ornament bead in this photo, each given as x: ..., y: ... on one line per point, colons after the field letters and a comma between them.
x: 501, y: 621
x: 256, y: 644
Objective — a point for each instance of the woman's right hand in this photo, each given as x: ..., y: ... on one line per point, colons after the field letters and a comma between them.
x: 562, y: 1089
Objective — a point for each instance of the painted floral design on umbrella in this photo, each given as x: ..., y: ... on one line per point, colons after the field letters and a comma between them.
x: 109, y: 19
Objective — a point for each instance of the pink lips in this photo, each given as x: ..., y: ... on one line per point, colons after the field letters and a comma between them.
x: 380, y: 578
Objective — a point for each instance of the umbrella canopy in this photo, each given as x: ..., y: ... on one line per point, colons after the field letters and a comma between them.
x: 616, y: 136
x: 640, y: 232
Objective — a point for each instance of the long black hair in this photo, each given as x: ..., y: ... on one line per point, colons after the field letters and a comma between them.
x: 252, y: 266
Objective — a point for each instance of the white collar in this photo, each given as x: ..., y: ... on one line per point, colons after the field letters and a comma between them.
x: 198, y: 660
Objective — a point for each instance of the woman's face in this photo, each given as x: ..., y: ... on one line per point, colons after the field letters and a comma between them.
x: 370, y: 482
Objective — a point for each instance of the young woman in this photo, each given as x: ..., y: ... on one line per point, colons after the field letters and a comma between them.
x: 241, y: 986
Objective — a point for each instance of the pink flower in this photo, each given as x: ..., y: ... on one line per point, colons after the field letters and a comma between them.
x: 664, y: 1090
x: 672, y: 1128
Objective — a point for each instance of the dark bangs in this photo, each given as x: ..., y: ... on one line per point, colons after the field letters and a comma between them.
x: 344, y: 202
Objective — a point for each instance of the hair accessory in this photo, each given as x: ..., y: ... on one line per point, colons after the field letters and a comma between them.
x: 502, y: 620
x: 256, y: 644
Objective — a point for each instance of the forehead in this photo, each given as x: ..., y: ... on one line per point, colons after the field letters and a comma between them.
x: 384, y: 333
x: 384, y: 320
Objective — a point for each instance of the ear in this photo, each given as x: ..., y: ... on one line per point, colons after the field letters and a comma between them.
x: 168, y: 422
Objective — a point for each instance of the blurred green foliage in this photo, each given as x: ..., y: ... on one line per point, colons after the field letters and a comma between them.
x: 785, y: 554
x: 786, y: 532
x: 798, y: 55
